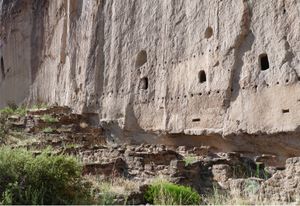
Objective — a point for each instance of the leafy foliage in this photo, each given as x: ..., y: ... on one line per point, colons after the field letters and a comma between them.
x: 167, y: 193
x: 44, y: 179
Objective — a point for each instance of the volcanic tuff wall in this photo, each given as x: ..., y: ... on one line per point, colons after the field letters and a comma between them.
x: 188, y: 67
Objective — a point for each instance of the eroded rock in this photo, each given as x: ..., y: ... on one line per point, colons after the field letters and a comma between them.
x: 283, y: 186
x: 223, y: 74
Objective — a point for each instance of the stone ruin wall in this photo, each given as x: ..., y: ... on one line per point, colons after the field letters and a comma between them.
x: 225, y: 71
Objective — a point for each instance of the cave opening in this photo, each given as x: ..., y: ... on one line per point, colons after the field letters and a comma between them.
x: 202, y: 76
x: 208, y: 32
x: 144, y: 83
x: 2, y: 68
x: 285, y: 111
x: 141, y: 59
x: 264, y: 62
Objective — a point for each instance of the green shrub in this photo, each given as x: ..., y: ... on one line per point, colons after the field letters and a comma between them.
x: 7, y: 111
x: 44, y: 179
x: 166, y: 193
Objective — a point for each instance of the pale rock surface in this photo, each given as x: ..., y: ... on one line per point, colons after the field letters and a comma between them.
x: 151, y: 70
x: 283, y: 186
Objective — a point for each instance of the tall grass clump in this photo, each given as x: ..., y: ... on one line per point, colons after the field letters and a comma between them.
x: 49, y: 119
x: 167, y: 193
x: 190, y: 159
x: 44, y: 179
x: 7, y: 111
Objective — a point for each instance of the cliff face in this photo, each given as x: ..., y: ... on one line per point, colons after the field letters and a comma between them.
x: 196, y: 69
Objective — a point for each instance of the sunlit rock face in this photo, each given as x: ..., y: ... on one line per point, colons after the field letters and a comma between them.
x: 224, y: 73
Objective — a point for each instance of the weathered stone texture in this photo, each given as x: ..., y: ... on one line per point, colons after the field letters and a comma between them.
x: 197, y: 67
x: 284, y: 185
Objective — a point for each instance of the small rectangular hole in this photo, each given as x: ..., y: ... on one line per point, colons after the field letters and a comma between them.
x: 285, y: 111
x: 196, y: 120
x: 2, y: 68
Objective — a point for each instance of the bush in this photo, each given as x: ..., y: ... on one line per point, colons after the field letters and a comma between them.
x: 44, y: 179
x: 166, y: 193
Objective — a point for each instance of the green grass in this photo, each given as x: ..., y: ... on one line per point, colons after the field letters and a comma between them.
x: 70, y: 145
x: 21, y: 111
x: 39, y: 106
x: 44, y: 179
x: 49, y: 119
x: 3, y: 127
x: 217, y: 197
x: 8, y: 111
x: 190, y: 159
x: 115, y: 190
x: 106, y: 196
x: 248, y: 196
x: 2, y: 133
x: 48, y: 130
x: 167, y: 193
